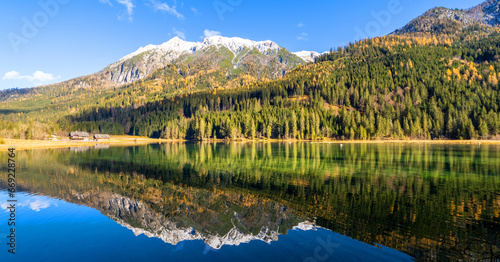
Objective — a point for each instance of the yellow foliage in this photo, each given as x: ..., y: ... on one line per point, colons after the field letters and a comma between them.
x: 493, y: 80
x: 448, y: 72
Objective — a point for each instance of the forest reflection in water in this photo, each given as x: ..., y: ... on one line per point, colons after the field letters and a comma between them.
x: 428, y: 201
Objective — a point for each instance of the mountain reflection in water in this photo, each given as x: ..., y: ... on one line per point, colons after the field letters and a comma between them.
x: 429, y: 201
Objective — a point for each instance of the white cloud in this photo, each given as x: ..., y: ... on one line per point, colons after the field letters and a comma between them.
x: 179, y: 33
x: 195, y: 11
x: 210, y: 33
x: 160, y: 6
x: 5, y: 205
x: 303, y: 37
x: 38, y: 77
x: 106, y: 2
x: 39, y: 205
x: 43, y: 77
x: 12, y: 75
x: 129, y: 5
x: 300, y: 25
x: 155, y: 4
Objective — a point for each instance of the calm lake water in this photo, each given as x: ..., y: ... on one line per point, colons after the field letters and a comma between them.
x: 255, y: 202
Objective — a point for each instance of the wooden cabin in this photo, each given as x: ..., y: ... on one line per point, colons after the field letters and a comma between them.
x: 79, y: 136
x: 100, y: 137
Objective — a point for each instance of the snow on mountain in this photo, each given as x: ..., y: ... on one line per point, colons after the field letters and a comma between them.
x: 307, y: 56
x: 178, y: 47
x: 155, y: 225
x: 306, y: 226
x: 173, y: 235
x: 444, y: 20
x: 150, y: 58
x: 236, y: 44
x: 487, y: 12
x: 174, y: 45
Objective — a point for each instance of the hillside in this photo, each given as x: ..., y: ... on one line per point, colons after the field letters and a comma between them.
x: 263, y: 59
x: 449, y: 21
x: 232, y: 57
x: 154, y: 73
x: 388, y: 87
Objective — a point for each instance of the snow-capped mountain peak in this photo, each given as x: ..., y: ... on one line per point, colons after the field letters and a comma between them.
x: 150, y: 58
x: 179, y: 46
x: 236, y: 44
x: 174, y: 45
x: 307, y: 56
x: 138, y: 52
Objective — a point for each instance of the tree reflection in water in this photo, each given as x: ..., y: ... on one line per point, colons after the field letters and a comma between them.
x: 429, y: 201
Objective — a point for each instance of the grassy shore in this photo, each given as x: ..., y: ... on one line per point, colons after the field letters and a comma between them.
x: 375, y: 141
x: 20, y: 144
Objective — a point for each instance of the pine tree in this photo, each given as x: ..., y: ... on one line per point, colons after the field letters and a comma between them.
x: 406, y: 127
x: 253, y: 130
x: 30, y: 131
x: 294, y: 126
x: 302, y: 124
x: 483, y: 129
x: 287, y: 130
x: 397, y: 129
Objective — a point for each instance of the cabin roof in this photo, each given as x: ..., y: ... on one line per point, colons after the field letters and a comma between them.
x: 80, y: 134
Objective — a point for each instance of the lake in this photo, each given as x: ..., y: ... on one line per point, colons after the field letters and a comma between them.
x: 255, y: 202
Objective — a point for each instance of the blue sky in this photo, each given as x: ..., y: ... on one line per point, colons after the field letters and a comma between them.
x: 48, y: 41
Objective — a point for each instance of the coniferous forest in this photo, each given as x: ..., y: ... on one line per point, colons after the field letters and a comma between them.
x: 419, y: 86
x: 423, y: 85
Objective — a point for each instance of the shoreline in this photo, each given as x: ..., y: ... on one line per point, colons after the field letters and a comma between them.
x: 21, y: 144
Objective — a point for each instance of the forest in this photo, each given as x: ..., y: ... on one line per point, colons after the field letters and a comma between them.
x: 412, y: 86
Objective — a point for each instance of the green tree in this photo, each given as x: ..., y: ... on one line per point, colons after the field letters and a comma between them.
x: 302, y: 124
x: 483, y: 129
x: 253, y: 130
x: 294, y: 126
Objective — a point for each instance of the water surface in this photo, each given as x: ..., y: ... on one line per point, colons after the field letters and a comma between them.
x: 257, y: 202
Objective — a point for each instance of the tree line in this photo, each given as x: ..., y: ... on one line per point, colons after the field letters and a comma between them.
x: 390, y: 87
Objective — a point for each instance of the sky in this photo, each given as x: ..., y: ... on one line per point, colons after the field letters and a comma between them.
x: 49, y: 41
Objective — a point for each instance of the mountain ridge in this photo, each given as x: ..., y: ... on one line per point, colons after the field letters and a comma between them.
x: 449, y: 21
x: 146, y: 60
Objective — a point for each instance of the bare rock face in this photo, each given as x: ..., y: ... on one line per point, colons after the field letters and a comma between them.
x: 146, y: 60
x: 444, y: 20
x: 486, y: 13
x: 307, y: 56
x: 141, y: 219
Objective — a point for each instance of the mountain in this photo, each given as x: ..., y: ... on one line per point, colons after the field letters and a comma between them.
x: 426, y: 87
x: 487, y: 12
x: 307, y: 56
x: 229, y: 54
x: 174, y: 68
x: 444, y: 20
x: 232, y: 57
x: 141, y: 219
